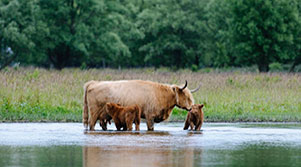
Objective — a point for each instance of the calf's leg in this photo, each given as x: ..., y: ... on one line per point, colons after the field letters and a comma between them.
x: 187, y: 122
x: 199, y: 126
x: 129, y: 123
x: 137, y: 121
x: 137, y: 126
x: 191, y: 125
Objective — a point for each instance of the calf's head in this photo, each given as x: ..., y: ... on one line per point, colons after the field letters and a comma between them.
x: 197, y: 108
x: 111, y: 108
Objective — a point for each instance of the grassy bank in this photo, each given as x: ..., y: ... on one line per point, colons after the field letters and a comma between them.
x: 49, y: 95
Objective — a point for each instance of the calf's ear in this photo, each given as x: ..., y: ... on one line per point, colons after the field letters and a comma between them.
x: 201, y: 106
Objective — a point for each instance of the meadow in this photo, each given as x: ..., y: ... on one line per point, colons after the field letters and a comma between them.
x: 40, y: 95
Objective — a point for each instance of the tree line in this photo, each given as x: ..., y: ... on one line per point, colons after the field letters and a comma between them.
x: 141, y: 33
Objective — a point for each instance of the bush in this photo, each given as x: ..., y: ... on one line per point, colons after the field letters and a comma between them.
x: 83, y: 66
x: 274, y: 67
x: 194, y: 68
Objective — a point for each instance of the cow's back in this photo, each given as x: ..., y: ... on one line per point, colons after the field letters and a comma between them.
x: 125, y: 92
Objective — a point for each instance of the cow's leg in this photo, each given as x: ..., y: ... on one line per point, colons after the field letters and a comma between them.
x: 150, y: 124
x: 102, y: 118
x: 92, y: 121
x: 93, y: 117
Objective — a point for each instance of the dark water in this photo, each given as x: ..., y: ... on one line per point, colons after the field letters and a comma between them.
x: 67, y: 144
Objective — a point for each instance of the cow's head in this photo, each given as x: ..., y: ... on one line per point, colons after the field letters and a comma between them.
x: 184, y: 98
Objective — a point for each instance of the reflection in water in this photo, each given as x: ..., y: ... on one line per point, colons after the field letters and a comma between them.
x: 143, y: 148
x: 264, y: 154
x: 40, y: 156
x: 230, y: 145
x: 122, y: 133
x: 139, y: 156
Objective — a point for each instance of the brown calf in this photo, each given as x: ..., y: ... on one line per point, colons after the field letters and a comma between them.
x: 195, y: 118
x: 124, y: 117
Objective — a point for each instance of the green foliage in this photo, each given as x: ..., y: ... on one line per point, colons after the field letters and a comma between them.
x: 173, y: 32
x: 136, y: 33
x: 70, y: 26
x: 83, y: 66
x: 218, y: 27
x: 194, y: 68
x: 263, y: 30
x: 32, y: 75
x: 274, y: 67
x: 20, y: 26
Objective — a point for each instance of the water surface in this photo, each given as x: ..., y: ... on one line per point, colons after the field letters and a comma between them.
x: 218, y: 144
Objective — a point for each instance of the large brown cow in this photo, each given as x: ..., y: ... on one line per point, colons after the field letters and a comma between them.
x: 155, y: 100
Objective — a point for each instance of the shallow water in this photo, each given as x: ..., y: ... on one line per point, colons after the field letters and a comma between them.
x: 218, y: 144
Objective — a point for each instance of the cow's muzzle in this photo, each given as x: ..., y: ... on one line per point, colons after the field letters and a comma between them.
x: 184, y: 108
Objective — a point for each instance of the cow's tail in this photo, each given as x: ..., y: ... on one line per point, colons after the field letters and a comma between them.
x: 86, y: 108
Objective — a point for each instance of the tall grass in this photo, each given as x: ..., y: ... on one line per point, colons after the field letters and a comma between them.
x: 29, y: 94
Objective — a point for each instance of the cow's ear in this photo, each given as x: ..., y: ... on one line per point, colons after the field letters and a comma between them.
x: 201, y: 106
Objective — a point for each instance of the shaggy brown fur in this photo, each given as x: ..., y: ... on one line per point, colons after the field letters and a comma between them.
x: 195, y: 118
x: 155, y: 100
x: 124, y: 117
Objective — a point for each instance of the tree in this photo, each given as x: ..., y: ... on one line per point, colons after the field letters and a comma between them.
x: 117, y: 34
x: 173, y: 32
x: 20, y: 24
x: 296, y: 49
x: 96, y: 32
x: 263, y: 30
x: 70, y: 23
x: 218, y: 41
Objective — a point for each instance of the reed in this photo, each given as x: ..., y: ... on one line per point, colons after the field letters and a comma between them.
x: 34, y: 94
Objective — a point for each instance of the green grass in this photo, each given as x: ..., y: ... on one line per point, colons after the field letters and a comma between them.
x: 34, y: 95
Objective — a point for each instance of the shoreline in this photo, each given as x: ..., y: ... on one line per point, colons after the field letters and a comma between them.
x: 166, y: 122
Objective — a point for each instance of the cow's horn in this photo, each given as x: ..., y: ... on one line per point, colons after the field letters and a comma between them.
x: 196, y: 89
x: 184, y: 85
